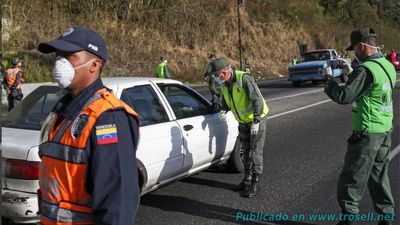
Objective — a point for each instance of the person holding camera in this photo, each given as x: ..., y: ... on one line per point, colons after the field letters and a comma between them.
x: 370, y: 90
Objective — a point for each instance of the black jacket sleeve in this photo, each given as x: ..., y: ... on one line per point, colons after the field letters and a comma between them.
x: 112, y: 176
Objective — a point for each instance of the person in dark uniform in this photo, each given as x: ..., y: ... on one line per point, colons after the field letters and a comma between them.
x: 12, y: 83
x: 246, y: 65
x: 2, y: 69
x: 242, y: 96
x: 214, y: 85
x: 88, y: 173
x: 370, y: 90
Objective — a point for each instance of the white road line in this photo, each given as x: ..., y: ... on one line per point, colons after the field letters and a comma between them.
x: 394, y: 152
x: 298, y: 109
x: 290, y: 96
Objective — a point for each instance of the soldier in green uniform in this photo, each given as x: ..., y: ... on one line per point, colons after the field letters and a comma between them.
x: 214, y: 85
x: 366, y: 162
x: 162, y: 69
x: 242, y: 96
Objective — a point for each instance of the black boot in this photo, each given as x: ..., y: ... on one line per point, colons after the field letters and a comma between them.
x: 245, y: 184
x: 255, y: 186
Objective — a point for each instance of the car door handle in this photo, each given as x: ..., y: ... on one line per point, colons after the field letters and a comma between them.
x: 187, y: 127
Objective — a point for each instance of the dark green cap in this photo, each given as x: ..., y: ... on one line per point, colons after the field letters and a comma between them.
x: 360, y: 35
x: 217, y: 65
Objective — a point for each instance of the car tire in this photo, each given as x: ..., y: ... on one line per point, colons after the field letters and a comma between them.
x: 344, y: 78
x: 316, y: 82
x: 236, y: 159
x: 296, y: 83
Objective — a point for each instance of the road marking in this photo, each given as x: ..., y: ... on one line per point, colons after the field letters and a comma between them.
x: 394, y: 152
x: 290, y: 96
x: 298, y: 109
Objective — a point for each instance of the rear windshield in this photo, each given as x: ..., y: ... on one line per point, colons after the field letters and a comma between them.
x: 30, y: 113
x: 316, y: 56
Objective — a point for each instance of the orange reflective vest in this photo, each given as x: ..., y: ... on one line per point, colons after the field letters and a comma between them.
x: 63, y: 198
x: 11, y: 77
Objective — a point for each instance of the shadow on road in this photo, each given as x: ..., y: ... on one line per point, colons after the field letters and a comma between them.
x: 209, y: 183
x: 201, y: 209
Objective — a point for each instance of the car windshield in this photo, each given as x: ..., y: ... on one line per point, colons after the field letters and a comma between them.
x: 33, y: 109
x: 315, y: 56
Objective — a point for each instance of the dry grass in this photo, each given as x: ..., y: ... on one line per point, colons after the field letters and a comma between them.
x: 139, y: 32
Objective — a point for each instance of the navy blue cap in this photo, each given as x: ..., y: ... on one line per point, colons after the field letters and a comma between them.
x: 77, y: 39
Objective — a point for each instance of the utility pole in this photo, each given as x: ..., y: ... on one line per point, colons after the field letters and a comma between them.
x: 380, y: 37
x: 239, y: 3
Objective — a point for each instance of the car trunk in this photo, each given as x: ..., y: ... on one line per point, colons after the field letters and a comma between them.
x: 20, y: 159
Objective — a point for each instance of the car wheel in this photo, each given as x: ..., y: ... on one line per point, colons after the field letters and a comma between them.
x: 315, y: 81
x: 344, y: 78
x: 296, y: 83
x: 236, y: 159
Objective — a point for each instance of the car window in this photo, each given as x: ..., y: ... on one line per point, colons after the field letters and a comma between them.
x: 184, y: 102
x: 33, y: 109
x: 145, y: 102
x: 313, y: 56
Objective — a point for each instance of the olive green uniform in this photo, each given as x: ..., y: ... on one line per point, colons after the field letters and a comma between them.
x: 214, y: 87
x: 244, y: 99
x: 367, y: 157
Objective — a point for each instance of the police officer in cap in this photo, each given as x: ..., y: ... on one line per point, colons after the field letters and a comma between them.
x: 88, y: 173
x: 370, y: 90
x: 242, y: 96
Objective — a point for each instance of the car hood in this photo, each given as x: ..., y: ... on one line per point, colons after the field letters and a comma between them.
x: 16, y: 143
x: 311, y: 64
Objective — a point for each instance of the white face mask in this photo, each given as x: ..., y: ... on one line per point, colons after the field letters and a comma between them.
x: 63, y: 72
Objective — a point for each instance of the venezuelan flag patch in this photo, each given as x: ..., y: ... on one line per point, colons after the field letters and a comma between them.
x: 106, y: 134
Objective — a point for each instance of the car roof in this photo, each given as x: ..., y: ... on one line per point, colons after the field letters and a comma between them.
x: 115, y: 81
x: 119, y: 80
x: 321, y: 50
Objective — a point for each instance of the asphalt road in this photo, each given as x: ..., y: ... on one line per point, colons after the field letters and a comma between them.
x: 303, y: 155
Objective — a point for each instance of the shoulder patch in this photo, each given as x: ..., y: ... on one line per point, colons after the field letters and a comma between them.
x: 78, y: 125
x: 106, y: 134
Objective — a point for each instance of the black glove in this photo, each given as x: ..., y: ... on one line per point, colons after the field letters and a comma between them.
x: 215, y: 107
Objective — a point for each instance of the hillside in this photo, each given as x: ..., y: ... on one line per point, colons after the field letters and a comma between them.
x: 138, y: 32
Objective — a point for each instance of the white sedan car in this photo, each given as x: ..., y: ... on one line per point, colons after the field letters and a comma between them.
x: 180, y: 135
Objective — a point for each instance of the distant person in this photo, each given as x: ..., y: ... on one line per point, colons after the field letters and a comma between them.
x: 12, y: 83
x: 242, y: 96
x: 370, y: 90
x: 3, y: 72
x: 214, y: 85
x: 162, y: 69
x: 2, y: 68
x: 294, y: 60
x: 88, y: 172
x: 246, y: 65
x: 393, y: 56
